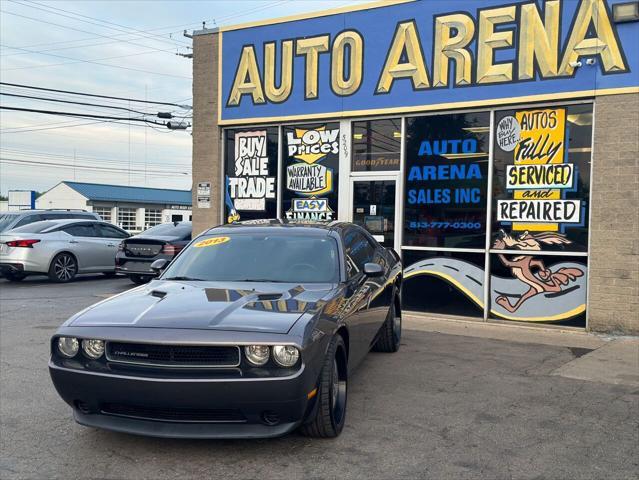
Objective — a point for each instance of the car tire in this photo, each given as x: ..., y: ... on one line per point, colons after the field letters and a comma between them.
x: 140, y: 279
x: 64, y: 268
x: 330, y: 412
x: 390, y: 334
x: 15, y: 276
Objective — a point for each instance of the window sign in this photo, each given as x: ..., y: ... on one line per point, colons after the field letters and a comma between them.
x: 446, y: 180
x: 376, y: 145
x: 541, y: 179
x: 310, y: 166
x: 251, y: 174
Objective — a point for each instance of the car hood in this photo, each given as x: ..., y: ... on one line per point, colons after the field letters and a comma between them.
x: 240, y: 306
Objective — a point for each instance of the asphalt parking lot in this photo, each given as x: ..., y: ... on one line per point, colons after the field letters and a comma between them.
x: 445, y: 406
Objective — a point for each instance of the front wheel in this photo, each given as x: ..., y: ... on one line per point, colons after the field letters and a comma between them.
x: 390, y: 334
x: 64, y: 268
x: 330, y: 412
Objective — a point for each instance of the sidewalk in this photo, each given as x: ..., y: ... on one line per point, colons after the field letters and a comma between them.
x: 607, y: 359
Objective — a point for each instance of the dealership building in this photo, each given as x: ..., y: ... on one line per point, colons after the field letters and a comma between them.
x: 132, y: 208
x: 494, y: 144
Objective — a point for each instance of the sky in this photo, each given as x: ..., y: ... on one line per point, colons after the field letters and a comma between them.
x: 116, y: 48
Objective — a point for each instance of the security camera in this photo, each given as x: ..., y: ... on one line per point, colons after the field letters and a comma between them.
x: 591, y: 61
x: 575, y: 64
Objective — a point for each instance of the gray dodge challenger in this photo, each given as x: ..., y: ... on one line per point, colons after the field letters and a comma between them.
x: 251, y: 331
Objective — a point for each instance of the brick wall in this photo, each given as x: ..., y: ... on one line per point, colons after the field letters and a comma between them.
x: 206, y: 140
x: 614, y: 241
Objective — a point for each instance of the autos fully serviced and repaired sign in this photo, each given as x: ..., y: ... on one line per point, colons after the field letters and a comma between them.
x: 402, y: 56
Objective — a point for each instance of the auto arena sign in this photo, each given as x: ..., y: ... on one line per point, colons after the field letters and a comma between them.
x: 408, y: 55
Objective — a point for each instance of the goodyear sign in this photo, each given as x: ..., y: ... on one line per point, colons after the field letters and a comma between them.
x: 402, y: 56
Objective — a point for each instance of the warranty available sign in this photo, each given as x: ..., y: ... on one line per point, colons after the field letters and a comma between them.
x: 311, y: 146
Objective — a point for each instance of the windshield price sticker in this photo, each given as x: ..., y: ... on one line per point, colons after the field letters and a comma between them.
x: 211, y: 242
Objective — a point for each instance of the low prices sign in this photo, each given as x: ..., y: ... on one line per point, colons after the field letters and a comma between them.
x: 539, y: 177
x: 311, y: 153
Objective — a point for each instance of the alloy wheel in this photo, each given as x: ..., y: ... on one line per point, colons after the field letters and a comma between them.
x: 65, y: 267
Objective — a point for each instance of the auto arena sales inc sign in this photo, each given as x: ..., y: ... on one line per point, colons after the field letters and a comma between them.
x: 415, y: 55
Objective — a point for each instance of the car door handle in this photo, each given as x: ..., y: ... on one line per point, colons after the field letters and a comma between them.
x: 110, y: 244
x: 73, y: 241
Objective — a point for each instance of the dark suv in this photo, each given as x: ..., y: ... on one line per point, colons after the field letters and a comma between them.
x: 19, y: 218
x: 136, y: 254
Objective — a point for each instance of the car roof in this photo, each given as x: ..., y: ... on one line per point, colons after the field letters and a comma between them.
x: 64, y: 221
x: 52, y: 210
x: 281, y: 225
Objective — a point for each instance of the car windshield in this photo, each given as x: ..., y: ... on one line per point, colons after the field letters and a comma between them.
x: 258, y: 258
x: 36, y: 227
x: 6, y: 219
x: 167, y: 230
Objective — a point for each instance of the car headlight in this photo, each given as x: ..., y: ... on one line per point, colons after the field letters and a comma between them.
x: 68, y: 346
x: 286, y: 355
x: 257, y: 354
x: 93, y: 348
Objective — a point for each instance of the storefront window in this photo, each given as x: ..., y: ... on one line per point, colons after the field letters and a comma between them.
x: 539, y: 288
x: 446, y: 175
x: 541, y: 183
x: 376, y: 145
x: 250, y: 173
x: 310, y: 169
x: 444, y: 282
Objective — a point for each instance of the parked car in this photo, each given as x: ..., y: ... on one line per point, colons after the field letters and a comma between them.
x: 137, y: 253
x: 252, y: 331
x: 60, y: 249
x: 11, y: 220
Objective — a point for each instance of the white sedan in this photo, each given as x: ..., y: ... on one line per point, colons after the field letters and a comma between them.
x: 60, y: 249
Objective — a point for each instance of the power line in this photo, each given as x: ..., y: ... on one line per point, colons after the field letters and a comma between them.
x: 81, y: 61
x: 76, y: 60
x: 74, y: 103
x: 100, y: 161
x: 81, y: 115
x: 114, y: 37
x: 84, y: 167
x: 85, y: 94
x: 56, y: 10
x: 69, y: 28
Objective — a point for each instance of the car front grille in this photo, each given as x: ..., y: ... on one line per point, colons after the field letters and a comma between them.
x: 166, y: 414
x: 198, y: 356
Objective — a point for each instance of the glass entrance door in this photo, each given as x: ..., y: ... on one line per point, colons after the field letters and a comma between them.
x: 374, y: 206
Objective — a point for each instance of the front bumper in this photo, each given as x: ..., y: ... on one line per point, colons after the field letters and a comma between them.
x: 262, y: 408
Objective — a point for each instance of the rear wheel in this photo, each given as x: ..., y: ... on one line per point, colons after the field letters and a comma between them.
x: 390, y: 334
x: 330, y: 412
x: 15, y: 276
x: 64, y: 268
x: 140, y: 279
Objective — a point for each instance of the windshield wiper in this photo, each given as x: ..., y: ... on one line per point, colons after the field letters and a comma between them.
x: 185, y: 278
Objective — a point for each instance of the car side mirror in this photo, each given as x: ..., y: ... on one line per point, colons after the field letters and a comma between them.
x: 372, y: 269
x: 160, y: 264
